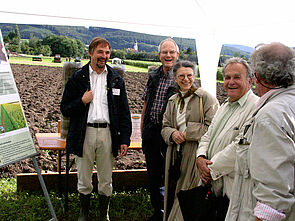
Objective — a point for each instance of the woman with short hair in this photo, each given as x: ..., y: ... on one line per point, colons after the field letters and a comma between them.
x: 182, y: 129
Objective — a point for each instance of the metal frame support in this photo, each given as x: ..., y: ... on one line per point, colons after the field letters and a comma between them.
x: 42, y: 183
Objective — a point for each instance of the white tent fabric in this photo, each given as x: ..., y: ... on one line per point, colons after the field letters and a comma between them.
x: 211, y: 22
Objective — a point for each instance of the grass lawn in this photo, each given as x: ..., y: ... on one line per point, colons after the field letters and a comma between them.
x: 23, y: 206
x: 47, y: 61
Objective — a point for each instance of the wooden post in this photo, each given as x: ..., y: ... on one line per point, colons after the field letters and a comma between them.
x: 58, y: 126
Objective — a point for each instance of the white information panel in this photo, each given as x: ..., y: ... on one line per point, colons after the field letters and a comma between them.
x: 136, y: 133
x: 16, y: 142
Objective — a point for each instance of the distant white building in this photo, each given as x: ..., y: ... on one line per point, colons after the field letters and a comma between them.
x: 135, y: 47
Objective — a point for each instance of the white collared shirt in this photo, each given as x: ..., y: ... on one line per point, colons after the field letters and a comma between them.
x: 98, y: 109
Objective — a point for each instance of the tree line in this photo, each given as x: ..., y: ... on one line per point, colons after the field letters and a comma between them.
x: 187, y: 54
x: 48, y: 46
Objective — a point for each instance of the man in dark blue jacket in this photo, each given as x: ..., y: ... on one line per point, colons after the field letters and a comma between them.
x: 95, y: 100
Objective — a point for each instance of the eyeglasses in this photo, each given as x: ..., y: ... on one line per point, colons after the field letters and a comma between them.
x: 182, y: 76
x: 260, y: 82
x: 170, y: 52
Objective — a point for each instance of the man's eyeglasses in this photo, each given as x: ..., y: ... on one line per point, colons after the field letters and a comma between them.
x: 170, y: 52
x: 182, y: 76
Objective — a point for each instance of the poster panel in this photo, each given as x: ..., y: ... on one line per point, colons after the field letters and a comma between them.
x: 16, y: 142
x: 136, y: 132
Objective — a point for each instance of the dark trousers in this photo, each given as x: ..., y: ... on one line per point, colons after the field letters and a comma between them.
x: 154, y: 149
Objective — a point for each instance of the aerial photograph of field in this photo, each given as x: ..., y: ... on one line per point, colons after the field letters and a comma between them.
x: 12, y: 117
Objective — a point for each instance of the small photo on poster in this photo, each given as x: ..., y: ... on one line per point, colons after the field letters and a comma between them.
x: 4, y: 63
x: 11, y: 117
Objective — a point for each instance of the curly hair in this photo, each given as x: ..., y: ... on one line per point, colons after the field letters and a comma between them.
x: 274, y: 63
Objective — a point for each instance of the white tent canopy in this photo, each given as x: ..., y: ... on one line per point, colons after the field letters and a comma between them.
x: 211, y: 22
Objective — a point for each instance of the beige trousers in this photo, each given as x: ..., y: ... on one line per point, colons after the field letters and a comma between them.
x: 97, y: 148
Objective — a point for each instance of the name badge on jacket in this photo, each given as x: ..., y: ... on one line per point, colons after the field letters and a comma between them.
x: 116, y: 91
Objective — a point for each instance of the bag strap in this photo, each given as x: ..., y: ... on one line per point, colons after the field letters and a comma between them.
x: 202, y: 111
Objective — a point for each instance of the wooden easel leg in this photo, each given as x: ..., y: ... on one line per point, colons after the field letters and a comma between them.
x: 67, y: 181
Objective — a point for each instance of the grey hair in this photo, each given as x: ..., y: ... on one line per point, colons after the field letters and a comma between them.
x: 186, y: 64
x: 237, y: 60
x: 274, y: 63
x: 167, y: 39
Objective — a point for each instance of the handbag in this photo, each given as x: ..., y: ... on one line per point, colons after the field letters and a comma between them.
x: 197, y: 204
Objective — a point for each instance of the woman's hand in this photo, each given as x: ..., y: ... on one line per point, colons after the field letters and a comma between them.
x: 178, y: 137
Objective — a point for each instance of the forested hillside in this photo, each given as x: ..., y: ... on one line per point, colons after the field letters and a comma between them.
x: 119, y: 39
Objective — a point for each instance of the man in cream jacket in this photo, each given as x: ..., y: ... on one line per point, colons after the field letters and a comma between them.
x: 217, y: 150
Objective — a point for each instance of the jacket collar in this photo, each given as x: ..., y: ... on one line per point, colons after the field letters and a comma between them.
x: 92, y: 71
x: 242, y: 101
x: 111, y: 72
x: 271, y: 94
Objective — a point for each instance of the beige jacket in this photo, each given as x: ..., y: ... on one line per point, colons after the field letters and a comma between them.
x: 189, y: 177
x: 224, y: 149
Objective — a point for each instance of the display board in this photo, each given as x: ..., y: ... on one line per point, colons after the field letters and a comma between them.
x: 16, y: 142
x: 136, y: 132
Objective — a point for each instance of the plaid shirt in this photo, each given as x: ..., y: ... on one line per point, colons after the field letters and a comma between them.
x: 166, y: 80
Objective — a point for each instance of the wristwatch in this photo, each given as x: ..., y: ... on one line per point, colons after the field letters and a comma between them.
x: 203, y: 156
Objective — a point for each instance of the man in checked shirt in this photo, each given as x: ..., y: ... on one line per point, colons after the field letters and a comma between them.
x: 156, y: 93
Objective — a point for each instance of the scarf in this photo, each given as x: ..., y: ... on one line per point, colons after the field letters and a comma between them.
x: 181, y: 98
